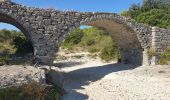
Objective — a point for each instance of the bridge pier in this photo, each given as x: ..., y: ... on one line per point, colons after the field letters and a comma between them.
x: 45, y: 53
x: 145, y: 58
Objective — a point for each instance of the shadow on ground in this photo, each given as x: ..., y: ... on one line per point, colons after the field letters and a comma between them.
x: 67, y: 64
x: 82, y: 77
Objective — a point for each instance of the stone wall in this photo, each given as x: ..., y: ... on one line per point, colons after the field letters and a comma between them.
x: 161, y: 39
x: 47, y: 29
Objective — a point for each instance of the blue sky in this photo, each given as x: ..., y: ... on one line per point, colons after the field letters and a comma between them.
x: 115, y: 6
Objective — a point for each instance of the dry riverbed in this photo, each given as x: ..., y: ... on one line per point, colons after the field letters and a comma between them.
x: 92, y: 79
x: 87, y: 78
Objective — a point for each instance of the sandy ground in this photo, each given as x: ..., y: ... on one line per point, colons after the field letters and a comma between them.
x: 91, y: 79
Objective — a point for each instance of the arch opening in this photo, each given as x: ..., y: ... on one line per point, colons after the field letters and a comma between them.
x: 15, y: 47
x: 125, y: 38
x: 88, y: 42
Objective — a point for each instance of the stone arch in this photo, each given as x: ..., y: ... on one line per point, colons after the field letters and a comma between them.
x: 132, y: 38
x: 11, y: 21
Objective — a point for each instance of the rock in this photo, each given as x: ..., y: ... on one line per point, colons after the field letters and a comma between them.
x: 54, y: 76
x: 17, y: 75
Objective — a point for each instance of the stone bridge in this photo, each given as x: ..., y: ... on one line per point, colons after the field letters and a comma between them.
x: 47, y: 29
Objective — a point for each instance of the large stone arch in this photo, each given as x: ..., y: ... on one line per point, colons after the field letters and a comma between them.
x: 132, y: 38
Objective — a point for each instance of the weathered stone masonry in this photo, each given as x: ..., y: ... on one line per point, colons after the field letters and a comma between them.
x: 47, y: 28
x: 160, y: 39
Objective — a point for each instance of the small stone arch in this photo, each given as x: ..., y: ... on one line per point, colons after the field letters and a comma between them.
x: 9, y: 20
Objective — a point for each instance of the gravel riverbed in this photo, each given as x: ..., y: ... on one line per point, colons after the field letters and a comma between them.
x: 95, y: 80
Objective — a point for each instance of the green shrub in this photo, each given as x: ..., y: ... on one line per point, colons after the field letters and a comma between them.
x: 109, y: 52
x: 93, y: 49
x: 165, y: 57
x: 13, y: 43
x: 155, y: 17
x: 151, y: 52
x: 31, y: 91
x: 93, y: 40
x: 4, y: 59
x: 151, y: 12
x: 90, y: 42
x: 73, y: 39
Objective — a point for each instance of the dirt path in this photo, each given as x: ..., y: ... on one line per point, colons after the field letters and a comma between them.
x: 95, y: 80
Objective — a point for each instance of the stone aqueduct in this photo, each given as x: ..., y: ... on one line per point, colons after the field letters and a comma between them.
x: 47, y: 28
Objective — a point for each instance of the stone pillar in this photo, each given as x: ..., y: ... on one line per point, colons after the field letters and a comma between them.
x: 154, y: 30
x: 154, y: 59
x: 145, y: 58
x: 45, y: 54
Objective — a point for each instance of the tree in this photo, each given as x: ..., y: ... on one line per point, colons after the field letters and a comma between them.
x: 152, y: 12
x: 74, y: 38
x: 134, y: 10
x: 155, y: 17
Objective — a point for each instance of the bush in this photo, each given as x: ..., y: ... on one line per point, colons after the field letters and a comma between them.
x: 13, y: 43
x: 165, y: 57
x: 93, y: 40
x: 93, y: 49
x: 152, y: 12
x: 22, y: 45
x: 109, y: 52
x: 73, y: 39
x: 155, y: 17
x: 31, y: 91
x: 151, y: 52
x: 4, y: 59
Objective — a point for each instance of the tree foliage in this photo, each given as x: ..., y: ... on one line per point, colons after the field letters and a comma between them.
x: 73, y: 39
x: 154, y: 13
x: 151, y: 12
x: 14, y: 42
